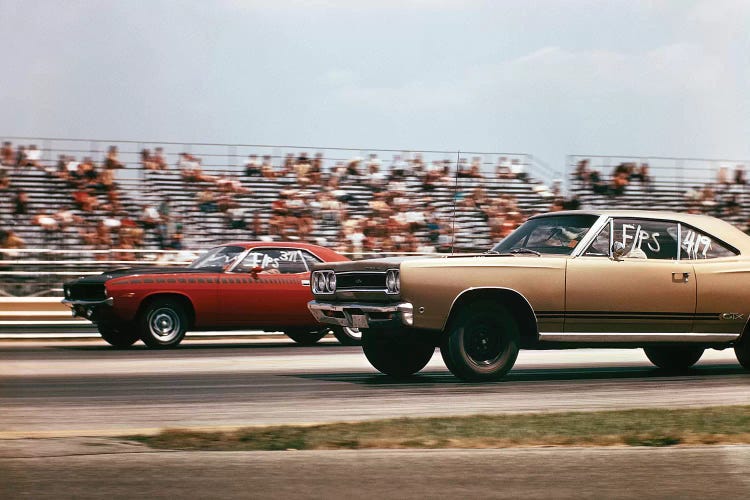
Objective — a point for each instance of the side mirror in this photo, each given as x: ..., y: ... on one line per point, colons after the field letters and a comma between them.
x: 254, y: 271
x: 618, y: 250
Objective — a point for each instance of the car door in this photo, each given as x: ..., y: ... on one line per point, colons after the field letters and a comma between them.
x: 201, y: 283
x: 648, y: 290
x: 270, y: 287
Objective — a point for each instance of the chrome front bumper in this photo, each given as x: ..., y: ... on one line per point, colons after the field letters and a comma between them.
x: 87, y: 308
x: 71, y: 303
x: 358, y: 315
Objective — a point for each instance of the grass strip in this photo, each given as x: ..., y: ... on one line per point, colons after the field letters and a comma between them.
x: 639, y: 427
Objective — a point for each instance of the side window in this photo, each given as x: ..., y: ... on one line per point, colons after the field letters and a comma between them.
x: 699, y: 245
x: 647, y: 239
x: 256, y: 258
x: 273, y: 261
x: 290, y: 262
x: 310, y: 259
x: 600, y: 246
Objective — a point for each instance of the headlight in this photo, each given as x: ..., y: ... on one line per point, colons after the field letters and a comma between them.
x: 67, y: 293
x: 392, y: 282
x: 324, y: 282
x: 332, y: 282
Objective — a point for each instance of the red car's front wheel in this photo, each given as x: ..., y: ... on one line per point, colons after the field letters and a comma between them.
x: 162, y: 323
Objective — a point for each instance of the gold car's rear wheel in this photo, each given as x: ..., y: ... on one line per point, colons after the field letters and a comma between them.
x: 481, y: 343
x: 742, y: 351
x: 398, y: 353
x: 674, y: 357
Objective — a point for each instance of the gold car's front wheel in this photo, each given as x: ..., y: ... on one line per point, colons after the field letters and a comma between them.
x: 481, y: 343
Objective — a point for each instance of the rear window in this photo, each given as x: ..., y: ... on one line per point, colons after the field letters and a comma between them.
x: 697, y: 245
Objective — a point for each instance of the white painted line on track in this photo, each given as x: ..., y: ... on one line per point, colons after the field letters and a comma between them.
x: 95, y: 335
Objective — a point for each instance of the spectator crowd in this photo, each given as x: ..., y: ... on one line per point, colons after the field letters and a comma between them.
x: 409, y: 204
x: 720, y: 198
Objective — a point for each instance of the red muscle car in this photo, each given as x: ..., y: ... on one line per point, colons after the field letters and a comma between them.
x: 248, y: 285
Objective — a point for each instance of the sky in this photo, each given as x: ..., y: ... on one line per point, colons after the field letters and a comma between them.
x: 548, y: 77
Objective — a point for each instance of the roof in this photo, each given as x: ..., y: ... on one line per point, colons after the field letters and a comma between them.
x: 285, y: 244
x: 324, y: 253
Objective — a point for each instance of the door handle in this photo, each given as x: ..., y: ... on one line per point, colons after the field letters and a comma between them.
x: 683, y: 277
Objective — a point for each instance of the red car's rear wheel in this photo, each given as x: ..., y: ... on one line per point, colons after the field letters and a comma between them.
x: 347, y: 335
x: 306, y: 337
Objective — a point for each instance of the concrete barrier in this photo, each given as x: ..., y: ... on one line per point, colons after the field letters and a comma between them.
x: 28, y: 310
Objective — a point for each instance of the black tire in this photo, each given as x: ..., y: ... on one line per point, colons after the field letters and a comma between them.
x: 306, y: 337
x: 118, y: 335
x: 162, y: 323
x: 347, y: 335
x: 481, y: 343
x: 674, y: 357
x: 742, y: 351
x: 398, y: 353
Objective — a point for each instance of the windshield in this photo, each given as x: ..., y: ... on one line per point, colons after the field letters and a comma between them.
x: 550, y: 235
x: 217, y: 257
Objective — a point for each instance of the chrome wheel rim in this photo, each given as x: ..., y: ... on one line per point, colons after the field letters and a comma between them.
x: 164, y: 324
x: 353, y: 333
x: 483, y: 343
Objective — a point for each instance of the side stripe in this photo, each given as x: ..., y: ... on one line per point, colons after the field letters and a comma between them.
x: 663, y: 316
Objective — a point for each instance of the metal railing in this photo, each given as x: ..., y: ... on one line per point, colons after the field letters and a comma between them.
x: 229, y: 158
x: 38, y: 272
x: 41, y: 272
x: 681, y: 172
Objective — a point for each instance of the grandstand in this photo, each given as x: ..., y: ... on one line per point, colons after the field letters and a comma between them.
x: 49, y: 194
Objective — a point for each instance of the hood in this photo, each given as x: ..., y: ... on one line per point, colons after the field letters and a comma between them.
x: 369, y: 264
x: 385, y: 263
x: 140, y: 271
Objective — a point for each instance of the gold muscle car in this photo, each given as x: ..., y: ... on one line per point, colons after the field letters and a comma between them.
x: 673, y: 284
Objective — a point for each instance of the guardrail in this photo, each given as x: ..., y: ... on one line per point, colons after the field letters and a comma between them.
x: 41, y: 317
